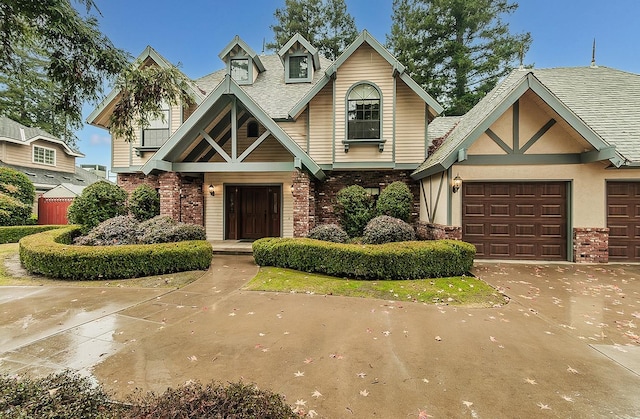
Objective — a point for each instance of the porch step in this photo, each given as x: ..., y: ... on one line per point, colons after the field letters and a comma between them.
x: 231, y: 247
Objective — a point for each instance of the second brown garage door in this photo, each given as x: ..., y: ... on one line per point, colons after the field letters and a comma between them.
x: 623, y: 220
x: 516, y: 220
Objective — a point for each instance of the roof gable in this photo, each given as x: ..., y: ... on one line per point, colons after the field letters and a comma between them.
x: 480, y: 118
x: 237, y: 43
x: 299, y: 39
x: 148, y: 54
x: 14, y: 132
x: 228, y: 86
x: 398, y: 70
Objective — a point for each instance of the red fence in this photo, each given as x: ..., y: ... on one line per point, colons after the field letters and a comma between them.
x: 53, y: 210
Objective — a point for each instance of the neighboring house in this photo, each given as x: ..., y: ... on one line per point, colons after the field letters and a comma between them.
x: 46, y: 160
x: 271, y: 139
x: 549, y: 166
x: 545, y: 160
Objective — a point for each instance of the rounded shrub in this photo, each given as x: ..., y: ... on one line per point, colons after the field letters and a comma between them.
x: 354, y: 207
x: 97, y: 203
x: 385, y: 229
x: 329, y: 233
x: 17, y: 185
x: 144, y: 203
x: 114, y: 231
x: 164, y: 229
x: 396, y: 200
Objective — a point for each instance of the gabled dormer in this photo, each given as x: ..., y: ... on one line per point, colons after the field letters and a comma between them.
x: 300, y: 59
x: 243, y: 64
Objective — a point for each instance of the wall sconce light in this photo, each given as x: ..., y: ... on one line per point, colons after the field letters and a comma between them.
x: 456, y: 184
x: 212, y: 190
x: 292, y: 188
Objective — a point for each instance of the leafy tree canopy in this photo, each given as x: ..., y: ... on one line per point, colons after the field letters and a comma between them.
x: 456, y: 49
x: 326, y: 24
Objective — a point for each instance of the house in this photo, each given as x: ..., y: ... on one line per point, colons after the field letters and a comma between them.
x: 270, y: 139
x: 542, y: 168
x: 545, y: 167
x: 46, y: 160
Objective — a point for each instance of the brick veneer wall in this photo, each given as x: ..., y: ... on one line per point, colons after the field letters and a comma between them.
x: 591, y: 245
x: 304, y: 205
x: 181, y: 197
x: 428, y: 231
x: 326, y: 190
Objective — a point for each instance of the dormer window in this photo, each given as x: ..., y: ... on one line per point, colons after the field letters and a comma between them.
x: 300, y: 59
x: 240, y: 69
x: 298, y: 68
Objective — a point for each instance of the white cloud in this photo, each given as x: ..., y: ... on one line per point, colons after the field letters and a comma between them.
x: 97, y: 139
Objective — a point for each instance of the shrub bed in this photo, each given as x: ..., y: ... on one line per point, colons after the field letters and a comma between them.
x: 49, y: 253
x: 401, y: 260
x: 13, y: 234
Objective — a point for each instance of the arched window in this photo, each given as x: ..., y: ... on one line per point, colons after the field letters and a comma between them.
x: 252, y: 129
x: 363, y: 112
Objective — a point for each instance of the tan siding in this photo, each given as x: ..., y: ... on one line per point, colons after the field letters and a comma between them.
x: 297, y: 130
x: 410, y: 130
x: 365, y: 64
x: 175, y: 114
x: 119, y: 152
x: 22, y: 155
x: 321, y: 126
x: 214, y: 205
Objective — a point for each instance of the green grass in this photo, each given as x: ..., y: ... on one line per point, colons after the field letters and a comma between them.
x: 461, y: 290
x: 11, y: 273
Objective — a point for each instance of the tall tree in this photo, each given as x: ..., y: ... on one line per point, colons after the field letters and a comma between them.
x: 456, y: 49
x: 64, y: 59
x: 326, y: 24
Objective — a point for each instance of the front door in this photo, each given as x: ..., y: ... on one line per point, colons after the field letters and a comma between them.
x: 252, y: 212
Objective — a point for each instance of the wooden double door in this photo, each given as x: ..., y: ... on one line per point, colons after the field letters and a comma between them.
x: 253, y: 212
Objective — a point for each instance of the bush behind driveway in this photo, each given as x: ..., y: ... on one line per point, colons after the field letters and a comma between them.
x: 50, y: 254
x: 400, y: 260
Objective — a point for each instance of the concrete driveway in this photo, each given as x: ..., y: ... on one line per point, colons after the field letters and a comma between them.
x: 566, y: 345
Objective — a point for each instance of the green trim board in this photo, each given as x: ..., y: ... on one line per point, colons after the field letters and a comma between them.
x: 236, y: 41
x: 228, y: 88
x: 297, y: 38
x: 535, y: 159
x: 369, y: 165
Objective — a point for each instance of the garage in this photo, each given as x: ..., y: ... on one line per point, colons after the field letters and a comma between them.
x: 516, y: 220
x: 623, y: 220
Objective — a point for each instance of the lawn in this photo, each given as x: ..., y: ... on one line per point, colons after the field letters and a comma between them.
x: 462, y: 290
x: 11, y: 273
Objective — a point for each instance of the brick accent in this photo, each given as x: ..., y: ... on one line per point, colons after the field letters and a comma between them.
x: 591, y: 245
x: 181, y: 197
x: 327, y: 190
x: 304, y: 203
x: 428, y: 231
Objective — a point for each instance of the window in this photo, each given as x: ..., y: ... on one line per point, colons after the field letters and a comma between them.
x: 157, y: 132
x: 252, y: 129
x: 363, y: 113
x: 44, y: 155
x: 299, y: 67
x: 240, y: 69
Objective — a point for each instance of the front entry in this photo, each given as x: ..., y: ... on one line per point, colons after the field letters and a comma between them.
x: 252, y: 212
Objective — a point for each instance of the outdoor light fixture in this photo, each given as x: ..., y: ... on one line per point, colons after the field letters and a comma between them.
x: 212, y: 191
x: 457, y: 183
x: 292, y: 188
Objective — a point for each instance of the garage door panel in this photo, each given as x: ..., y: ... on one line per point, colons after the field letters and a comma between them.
x: 523, y: 220
x: 623, y: 220
x: 474, y: 210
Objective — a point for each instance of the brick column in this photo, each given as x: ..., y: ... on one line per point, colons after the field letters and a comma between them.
x: 591, y: 245
x: 170, y: 183
x: 192, y: 201
x: 130, y: 181
x: 303, y: 203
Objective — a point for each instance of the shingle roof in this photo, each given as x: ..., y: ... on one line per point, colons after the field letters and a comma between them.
x: 47, y: 179
x: 16, y: 132
x: 269, y: 90
x: 604, y: 99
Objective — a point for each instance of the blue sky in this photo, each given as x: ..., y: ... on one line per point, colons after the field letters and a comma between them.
x: 193, y: 32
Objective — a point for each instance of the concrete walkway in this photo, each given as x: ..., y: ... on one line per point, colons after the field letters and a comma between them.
x: 565, y: 346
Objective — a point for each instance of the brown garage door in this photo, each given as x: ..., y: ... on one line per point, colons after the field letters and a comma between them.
x: 516, y: 220
x: 623, y: 220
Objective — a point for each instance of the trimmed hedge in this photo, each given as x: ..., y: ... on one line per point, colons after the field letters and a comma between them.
x: 50, y: 254
x: 13, y: 234
x: 401, y: 260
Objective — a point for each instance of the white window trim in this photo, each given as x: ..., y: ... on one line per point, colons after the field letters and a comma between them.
x: 33, y: 155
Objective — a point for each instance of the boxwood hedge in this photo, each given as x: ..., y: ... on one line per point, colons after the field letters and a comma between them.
x: 49, y: 253
x: 13, y: 234
x: 400, y: 260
